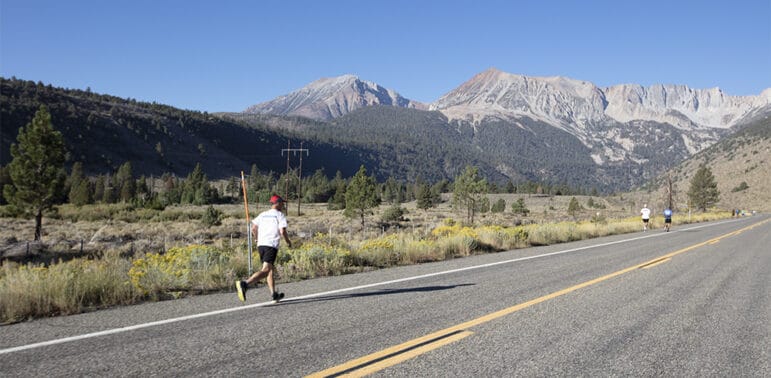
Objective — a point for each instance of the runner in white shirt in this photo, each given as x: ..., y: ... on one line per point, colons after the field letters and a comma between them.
x: 646, y: 216
x: 269, y: 227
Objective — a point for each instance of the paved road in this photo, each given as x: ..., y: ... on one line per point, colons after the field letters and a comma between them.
x: 692, y: 302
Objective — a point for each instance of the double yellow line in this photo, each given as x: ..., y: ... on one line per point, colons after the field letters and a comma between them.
x: 394, y: 355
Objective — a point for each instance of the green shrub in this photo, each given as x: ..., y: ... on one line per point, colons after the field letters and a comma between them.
x: 742, y: 186
x: 520, y: 208
x: 499, y: 206
x: 211, y: 217
x: 315, y: 260
x: 393, y: 214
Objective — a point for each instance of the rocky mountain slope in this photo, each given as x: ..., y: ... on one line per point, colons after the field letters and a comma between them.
x: 741, y: 164
x: 629, y: 132
x: 329, y: 98
x: 598, y: 117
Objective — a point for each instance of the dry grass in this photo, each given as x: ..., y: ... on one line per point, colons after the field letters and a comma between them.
x: 749, y: 162
x: 153, y: 257
x: 63, y: 288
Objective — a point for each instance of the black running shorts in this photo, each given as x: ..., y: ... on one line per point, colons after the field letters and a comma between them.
x: 268, y: 254
x: 667, y: 220
x: 645, y: 220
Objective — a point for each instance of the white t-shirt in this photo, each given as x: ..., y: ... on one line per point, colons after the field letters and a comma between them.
x: 646, y: 213
x: 268, y: 224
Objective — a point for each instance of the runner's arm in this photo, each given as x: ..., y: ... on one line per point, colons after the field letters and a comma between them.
x: 286, y: 236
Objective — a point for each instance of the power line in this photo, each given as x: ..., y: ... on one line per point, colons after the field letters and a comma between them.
x: 289, y: 149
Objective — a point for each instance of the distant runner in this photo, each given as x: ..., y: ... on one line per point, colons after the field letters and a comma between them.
x: 646, y: 216
x: 268, y: 227
x: 667, y: 218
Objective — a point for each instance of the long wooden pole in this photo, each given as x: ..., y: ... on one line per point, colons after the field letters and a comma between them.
x: 248, y: 222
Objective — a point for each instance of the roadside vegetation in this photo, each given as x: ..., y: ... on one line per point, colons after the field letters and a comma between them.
x: 115, y: 277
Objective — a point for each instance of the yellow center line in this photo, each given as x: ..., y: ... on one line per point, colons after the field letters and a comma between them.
x: 655, y: 263
x: 399, y: 357
x: 382, y: 359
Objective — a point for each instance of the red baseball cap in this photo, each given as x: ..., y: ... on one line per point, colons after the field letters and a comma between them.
x: 276, y: 199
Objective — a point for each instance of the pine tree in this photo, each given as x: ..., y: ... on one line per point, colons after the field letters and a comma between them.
x: 212, y: 217
x: 81, y: 193
x: 99, y: 186
x: 468, y: 191
x: 143, y: 193
x: 573, y: 206
x: 519, y: 207
x: 499, y: 206
x: 425, y: 197
x: 510, y: 188
x: 337, y: 200
x: 76, y: 176
x: 109, y: 195
x: 197, y: 190
x: 37, y: 168
x: 5, y: 179
x: 361, y: 195
x: 703, y: 192
x: 125, y: 183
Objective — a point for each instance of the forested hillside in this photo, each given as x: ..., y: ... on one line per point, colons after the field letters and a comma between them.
x: 406, y: 143
x: 412, y: 143
x: 103, y: 132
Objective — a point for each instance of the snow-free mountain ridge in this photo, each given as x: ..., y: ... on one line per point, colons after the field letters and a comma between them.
x: 567, y: 102
x: 329, y: 98
x: 617, y: 124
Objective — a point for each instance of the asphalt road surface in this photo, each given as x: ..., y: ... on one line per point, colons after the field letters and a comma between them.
x: 692, y: 302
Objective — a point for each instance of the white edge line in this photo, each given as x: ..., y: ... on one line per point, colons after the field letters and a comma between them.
x: 326, y: 293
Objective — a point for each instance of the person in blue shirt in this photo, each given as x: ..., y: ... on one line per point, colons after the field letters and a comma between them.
x: 667, y: 218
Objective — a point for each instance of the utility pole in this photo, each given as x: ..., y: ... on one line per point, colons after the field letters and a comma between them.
x: 289, y: 149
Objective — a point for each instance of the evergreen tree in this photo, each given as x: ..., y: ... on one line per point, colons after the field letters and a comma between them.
x: 483, y: 206
x: 425, y: 197
x: 76, y: 176
x: 197, y: 190
x: 510, y: 188
x: 339, y: 185
x: 5, y: 179
x: 443, y: 186
x: 393, y: 213
x: 212, y: 217
x: 361, y: 195
x: 171, y: 191
x: 499, y: 206
x: 109, y: 195
x: 574, y: 207
x: 80, y: 194
x: 468, y: 191
x: 519, y: 207
x: 391, y: 191
x: 703, y: 192
x: 143, y: 193
x: 99, y: 186
x: 125, y: 184
x: 317, y: 188
x: 37, y: 169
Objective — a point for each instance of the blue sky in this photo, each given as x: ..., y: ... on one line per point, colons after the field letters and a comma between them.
x: 227, y: 55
